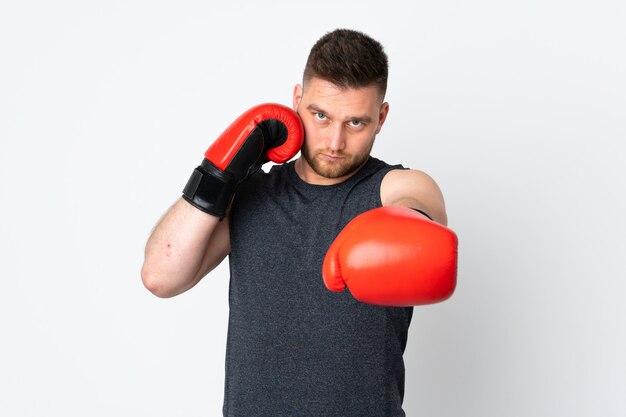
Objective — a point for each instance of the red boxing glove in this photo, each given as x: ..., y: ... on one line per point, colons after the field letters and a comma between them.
x: 267, y: 132
x: 393, y: 256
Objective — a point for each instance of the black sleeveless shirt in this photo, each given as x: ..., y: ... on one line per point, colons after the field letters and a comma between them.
x: 294, y: 348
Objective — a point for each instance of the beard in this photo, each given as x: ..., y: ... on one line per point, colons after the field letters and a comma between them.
x: 349, y: 165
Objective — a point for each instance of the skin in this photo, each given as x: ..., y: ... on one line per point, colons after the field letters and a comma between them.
x: 340, y: 126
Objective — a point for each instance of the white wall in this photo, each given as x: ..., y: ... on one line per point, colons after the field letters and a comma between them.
x: 517, y: 109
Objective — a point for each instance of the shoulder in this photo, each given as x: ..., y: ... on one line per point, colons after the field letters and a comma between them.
x: 414, y: 189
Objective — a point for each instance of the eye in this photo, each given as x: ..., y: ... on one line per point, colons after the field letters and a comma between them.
x: 355, y: 123
x: 320, y: 116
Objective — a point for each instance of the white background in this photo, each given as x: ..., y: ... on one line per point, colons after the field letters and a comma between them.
x: 516, y: 108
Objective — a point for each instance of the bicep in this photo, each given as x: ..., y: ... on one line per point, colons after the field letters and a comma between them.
x: 414, y: 189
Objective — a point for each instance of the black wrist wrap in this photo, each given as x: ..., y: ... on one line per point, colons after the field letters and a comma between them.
x: 210, y: 189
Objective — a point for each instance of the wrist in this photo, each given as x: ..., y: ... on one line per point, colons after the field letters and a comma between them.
x: 210, y: 189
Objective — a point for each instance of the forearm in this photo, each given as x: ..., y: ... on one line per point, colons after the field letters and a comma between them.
x: 176, y: 248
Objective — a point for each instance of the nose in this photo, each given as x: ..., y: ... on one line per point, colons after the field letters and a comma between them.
x: 336, y: 138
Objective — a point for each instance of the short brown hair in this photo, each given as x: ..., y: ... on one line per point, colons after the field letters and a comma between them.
x: 348, y: 58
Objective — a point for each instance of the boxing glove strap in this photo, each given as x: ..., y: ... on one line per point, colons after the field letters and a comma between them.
x: 210, y: 189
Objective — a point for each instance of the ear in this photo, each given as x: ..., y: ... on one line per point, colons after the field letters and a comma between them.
x: 297, y: 96
x: 382, y: 116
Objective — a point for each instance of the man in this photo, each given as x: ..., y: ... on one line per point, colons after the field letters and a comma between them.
x: 295, y: 348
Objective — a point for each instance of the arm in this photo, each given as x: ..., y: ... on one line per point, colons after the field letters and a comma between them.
x: 184, y: 246
x: 190, y: 240
x: 395, y: 256
x: 414, y: 189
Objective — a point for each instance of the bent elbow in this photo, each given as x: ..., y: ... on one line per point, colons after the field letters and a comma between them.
x: 154, y: 283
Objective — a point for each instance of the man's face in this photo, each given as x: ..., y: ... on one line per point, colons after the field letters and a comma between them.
x: 340, y: 126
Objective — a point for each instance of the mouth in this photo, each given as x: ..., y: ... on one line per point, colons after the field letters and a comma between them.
x: 330, y: 157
